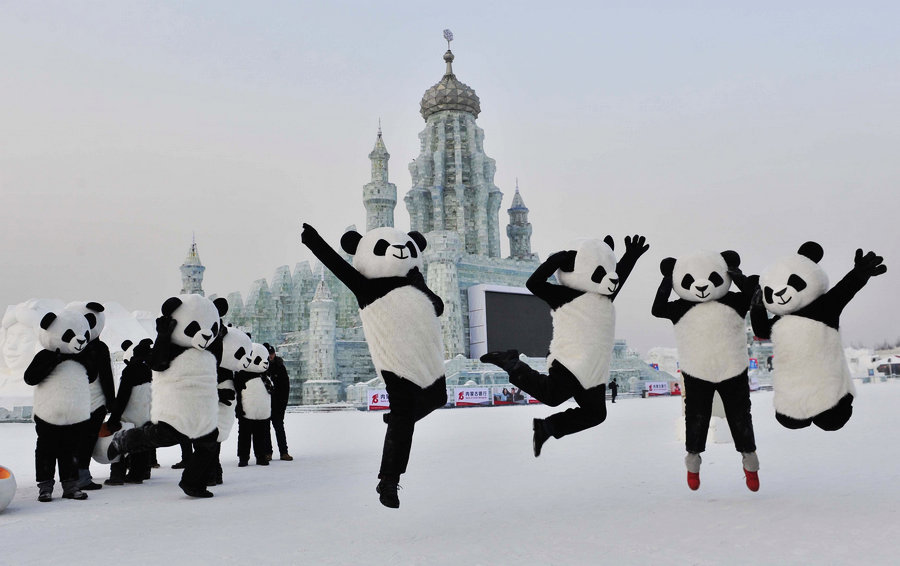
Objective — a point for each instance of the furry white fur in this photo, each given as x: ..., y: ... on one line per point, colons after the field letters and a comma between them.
x: 236, y: 350
x: 195, y: 308
x: 184, y: 395
x: 583, y: 334
x: 259, y: 358
x: 138, y: 410
x: 395, y: 263
x: 99, y: 315
x: 712, y: 342
x: 225, y: 422
x: 776, y: 277
x: 98, y: 399
x: 51, y: 338
x: 590, y: 254
x: 810, y: 371
x: 256, y: 401
x: 63, y: 397
x: 700, y: 265
x: 404, y: 336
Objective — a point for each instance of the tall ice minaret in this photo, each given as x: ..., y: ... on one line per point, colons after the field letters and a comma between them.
x: 379, y: 196
x: 519, y: 228
x: 192, y: 272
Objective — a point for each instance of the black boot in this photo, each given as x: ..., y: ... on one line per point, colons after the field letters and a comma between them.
x: 115, y: 478
x: 45, y: 491
x: 387, y: 492
x: 194, y: 491
x: 541, y: 434
x: 504, y: 360
x: 71, y: 491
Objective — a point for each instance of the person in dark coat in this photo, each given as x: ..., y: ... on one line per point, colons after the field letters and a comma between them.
x: 613, y: 389
x: 281, y: 390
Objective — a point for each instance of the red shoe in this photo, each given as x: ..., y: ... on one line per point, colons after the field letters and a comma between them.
x: 694, y: 481
x: 752, y: 480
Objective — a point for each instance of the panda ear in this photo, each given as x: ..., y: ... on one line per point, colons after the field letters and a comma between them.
x: 170, y: 305
x: 221, y: 306
x: 48, y: 320
x: 92, y: 319
x: 224, y: 331
x: 350, y: 241
x: 667, y: 266
x: 419, y: 239
x: 126, y: 344
x: 249, y: 335
x: 96, y: 307
x: 812, y: 250
x: 732, y: 259
x: 610, y: 242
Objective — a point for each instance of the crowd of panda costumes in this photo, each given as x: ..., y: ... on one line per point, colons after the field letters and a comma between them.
x: 236, y: 349
x: 584, y: 321
x: 61, y: 375
x: 399, y: 315
x: 711, y: 336
x: 810, y: 374
x: 103, y: 389
x: 132, y: 406
x: 254, y: 408
x: 184, y: 401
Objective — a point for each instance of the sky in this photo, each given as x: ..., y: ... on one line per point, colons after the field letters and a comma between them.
x: 129, y: 128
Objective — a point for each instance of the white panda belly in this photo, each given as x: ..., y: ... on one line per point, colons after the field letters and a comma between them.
x: 404, y: 336
x: 64, y: 396
x: 712, y: 342
x: 810, y: 373
x: 138, y: 410
x: 184, y: 395
x: 584, y: 330
x: 226, y: 413
x: 98, y: 399
x: 256, y: 401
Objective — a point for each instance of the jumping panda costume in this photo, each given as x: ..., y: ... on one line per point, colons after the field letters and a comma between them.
x: 400, y: 319
x: 710, y: 333
x: 810, y: 374
x: 132, y: 406
x: 103, y: 389
x: 184, y: 401
x: 254, y: 408
x: 584, y: 322
x: 61, y: 373
x: 236, y: 349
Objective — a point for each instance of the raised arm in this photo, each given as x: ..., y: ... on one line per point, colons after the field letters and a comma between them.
x: 553, y: 295
x: 759, y: 317
x: 660, y: 307
x: 126, y: 384
x: 634, y: 248
x: 864, y: 267
x: 332, y: 260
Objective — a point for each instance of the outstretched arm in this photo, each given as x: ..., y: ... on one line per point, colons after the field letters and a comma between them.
x: 553, y: 295
x: 660, y: 307
x: 418, y: 281
x: 122, y: 398
x: 634, y: 248
x: 864, y: 267
x: 332, y: 260
x: 40, y: 367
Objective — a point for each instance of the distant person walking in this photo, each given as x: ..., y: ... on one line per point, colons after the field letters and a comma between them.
x: 281, y: 391
x: 613, y: 389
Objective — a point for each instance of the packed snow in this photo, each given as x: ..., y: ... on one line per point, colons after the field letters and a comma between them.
x: 474, y: 494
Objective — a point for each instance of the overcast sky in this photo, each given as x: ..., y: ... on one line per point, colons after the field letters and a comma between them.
x: 127, y: 126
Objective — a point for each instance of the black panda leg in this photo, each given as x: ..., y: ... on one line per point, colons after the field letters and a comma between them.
x: 836, y: 417
x: 735, y: 393
x: 792, y: 423
x: 552, y: 389
x: 590, y: 412
x: 698, y: 399
x: 402, y: 396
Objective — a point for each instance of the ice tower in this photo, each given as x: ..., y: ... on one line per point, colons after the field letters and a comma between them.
x: 379, y: 195
x: 192, y: 272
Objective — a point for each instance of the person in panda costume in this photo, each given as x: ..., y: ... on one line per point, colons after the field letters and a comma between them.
x: 132, y: 406
x: 399, y: 315
x: 184, y: 401
x: 61, y: 374
x: 254, y: 408
x: 103, y: 389
x: 810, y: 374
x: 584, y: 322
x: 711, y: 336
x: 236, y: 349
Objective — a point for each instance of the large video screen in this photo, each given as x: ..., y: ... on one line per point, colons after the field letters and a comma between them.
x: 516, y: 321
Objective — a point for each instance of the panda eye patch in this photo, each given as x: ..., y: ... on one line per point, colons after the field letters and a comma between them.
x: 598, y: 274
x: 413, y: 252
x: 768, y: 292
x: 715, y: 279
x: 687, y: 281
x: 240, y: 353
x: 192, y: 329
x: 257, y: 360
x: 68, y: 335
x: 381, y: 247
x: 796, y: 282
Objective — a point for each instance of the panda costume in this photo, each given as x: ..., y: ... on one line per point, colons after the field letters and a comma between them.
x: 399, y: 315
x: 710, y: 333
x: 61, y: 375
x: 584, y: 321
x: 235, y: 352
x: 810, y: 374
x: 103, y: 389
x: 184, y: 401
x: 254, y: 408
x: 132, y: 406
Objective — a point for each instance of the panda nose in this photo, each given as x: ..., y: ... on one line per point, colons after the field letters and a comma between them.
x: 781, y: 293
x: 206, y: 336
x: 614, y: 280
x: 702, y: 288
x: 80, y: 341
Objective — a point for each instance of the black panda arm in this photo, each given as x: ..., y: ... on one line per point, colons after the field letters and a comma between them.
x: 240, y: 383
x: 333, y: 261
x: 101, y: 357
x: 126, y: 385
x: 554, y: 295
x: 864, y: 268
x: 418, y: 282
x: 40, y: 367
x: 759, y: 319
x: 634, y: 249
x: 661, y: 306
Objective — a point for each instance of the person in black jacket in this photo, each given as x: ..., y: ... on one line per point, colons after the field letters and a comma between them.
x: 613, y: 389
x: 281, y: 390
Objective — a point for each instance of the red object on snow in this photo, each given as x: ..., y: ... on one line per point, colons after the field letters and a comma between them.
x: 694, y: 481
x: 752, y: 480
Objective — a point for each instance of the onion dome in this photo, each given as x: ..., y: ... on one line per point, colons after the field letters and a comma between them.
x: 450, y: 94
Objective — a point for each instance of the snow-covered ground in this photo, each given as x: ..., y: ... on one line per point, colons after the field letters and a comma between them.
x: 474, y: 494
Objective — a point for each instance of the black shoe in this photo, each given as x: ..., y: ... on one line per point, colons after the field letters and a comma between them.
x: 262, y: 461
x: 91, y: 487
x: 287, y: 457
x: 386, y: 418
x: 504, y: 360
x: 195, y: 491
x: 242, y: 463
x: 540, y: 435
x: 179, y: 465
x: 45, y: 495
x: 387, y: 492
x: 76, y: 494
x: 134, y: 480
x: 114, y: 481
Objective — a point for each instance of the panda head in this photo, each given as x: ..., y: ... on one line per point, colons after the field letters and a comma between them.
x: 259, y: 362
x: 139, y: 351
x: 794, y: 281
x: 196, y: 320
x: 91, y: 307
x: 236, y: 350
x: 384, y: 252
x: 703, y: 276
x: 66, y: 331
x: 594, y: 269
